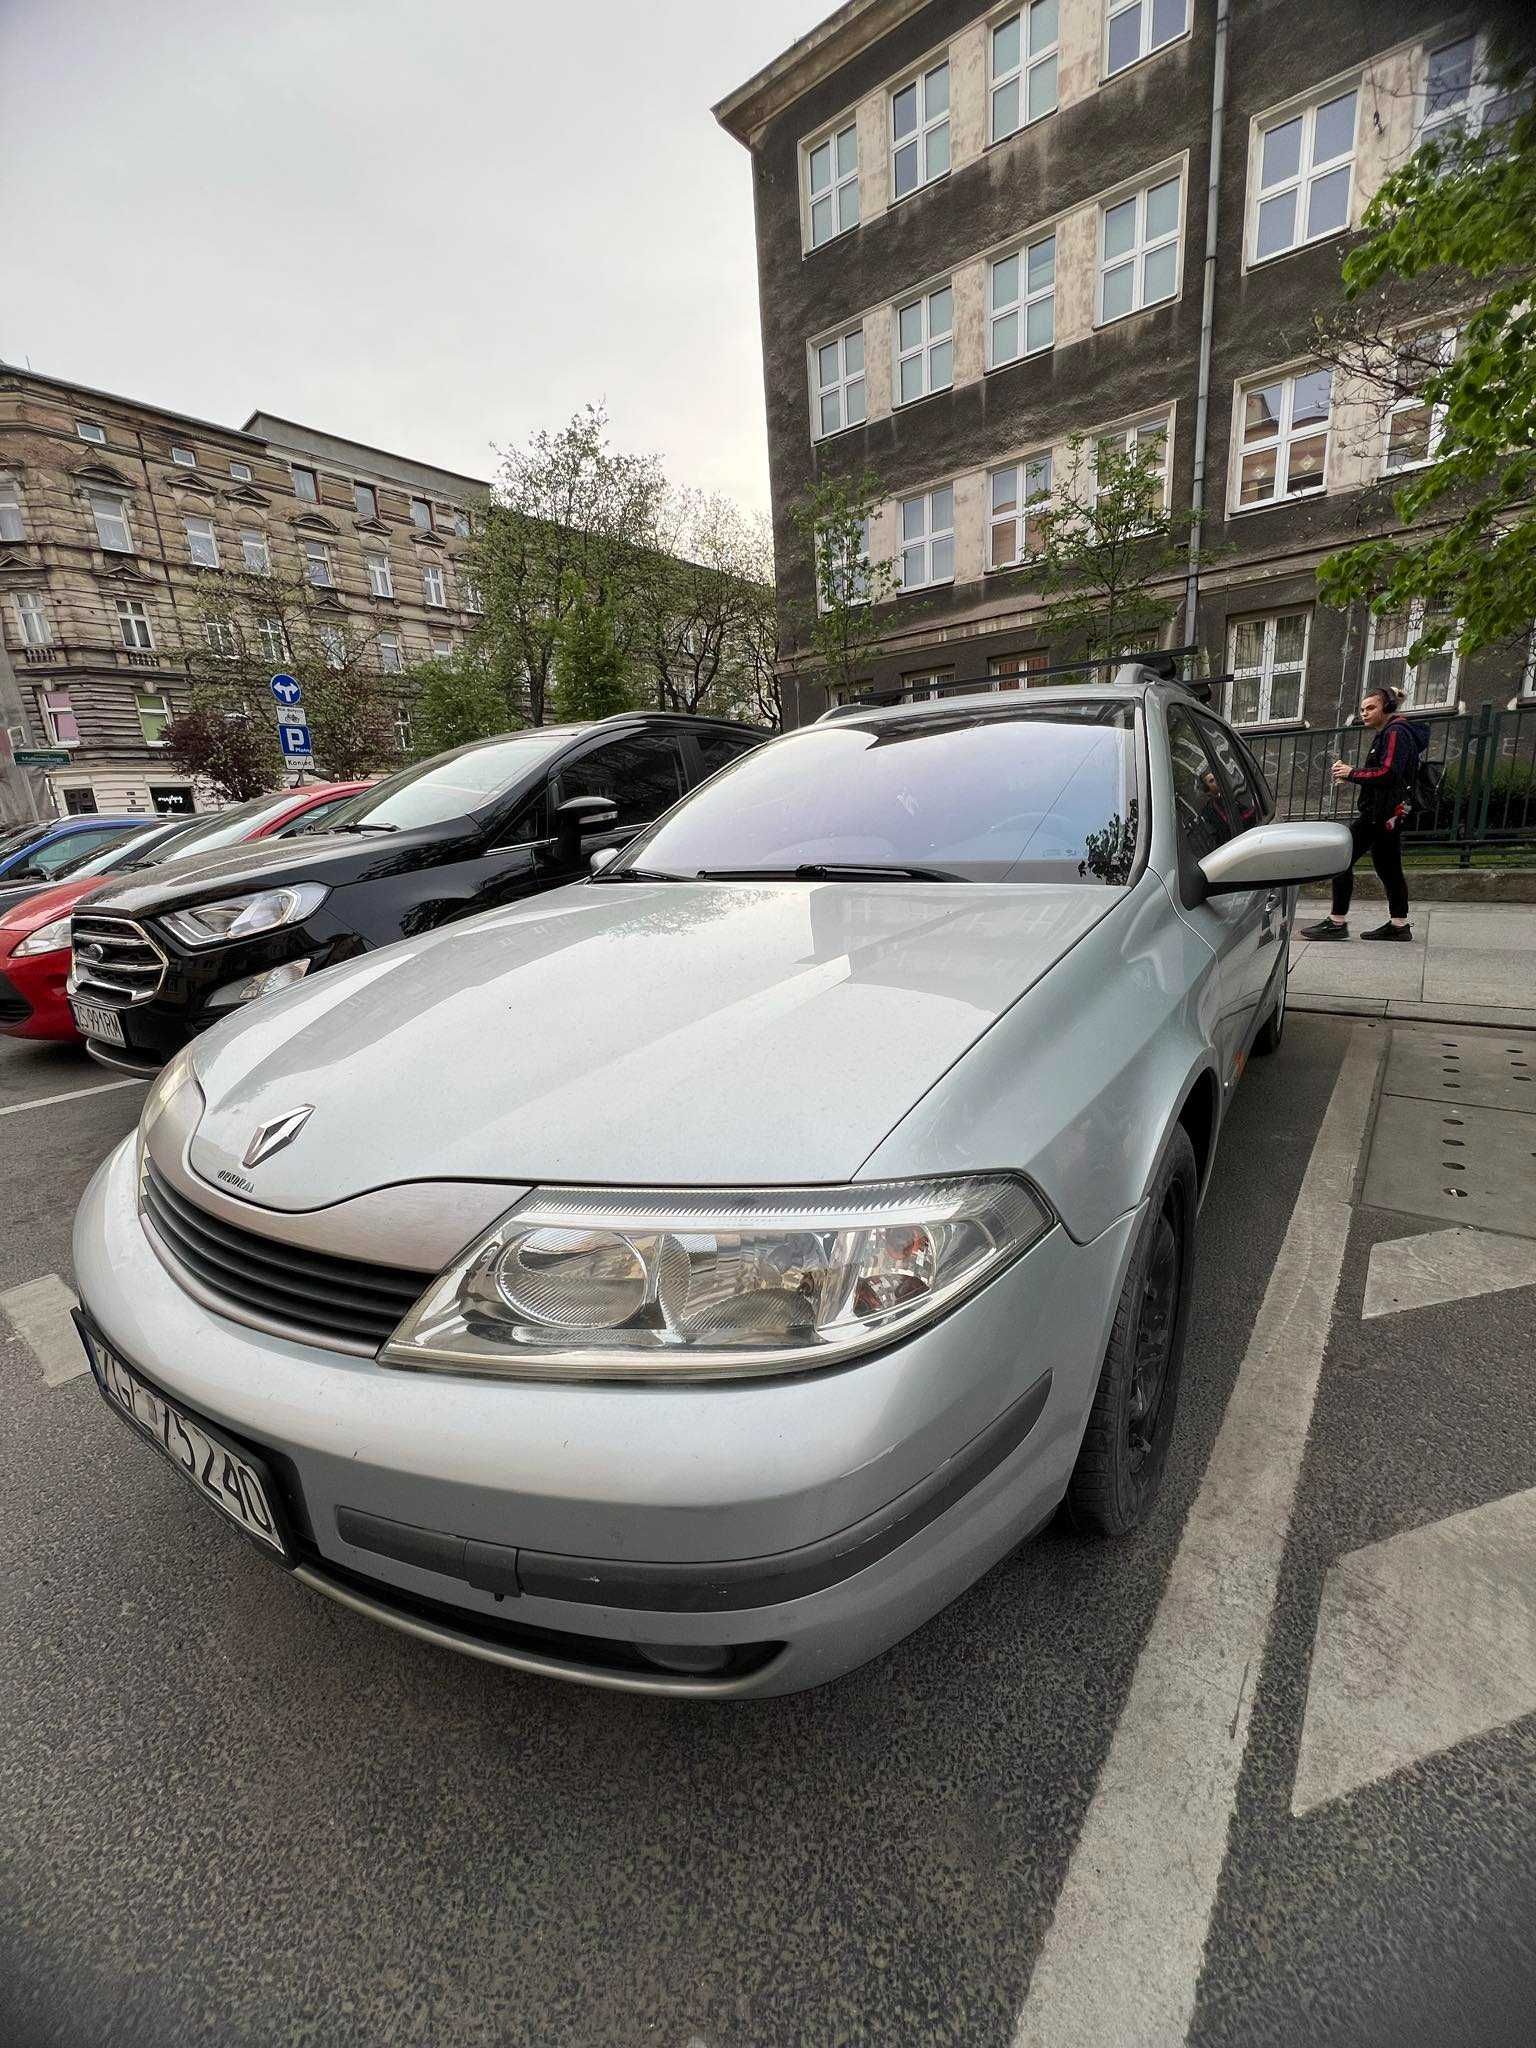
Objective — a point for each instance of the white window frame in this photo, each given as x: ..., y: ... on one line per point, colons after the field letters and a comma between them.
x: 332, y: 643
x: 861, y: 593
x: 469, y: 592
x: 200, y: 533
x: 931, y: 340
x: 463, y: 524
x: 142, y: 704
x: 1142, y: 246
x: 843, y: 385
x: 1033, y: 57
x: 1129, y: 438
x: 92, y: 431
x: 1528, y: 680
x: 317, y: 554
x: 1483, y: 91
x: 240, y: 472
x: 926, y: 125
x: 183, y: 456
x: 1268, y: 668
x: 1022, y: 303
x: 111, y: 506
x: 51, y: 711
x: 1032, y: 481
x: 1145, y: 45
x: 839, y: 183
x: 33, y: 625
x: 925, y: 685
x: 434, y: 586
x: 1282, y: 439
x: 380, y: 584
x: 931, y: 542
x: 135, y: 629
x: 1307, y: 172
x: 373, y: 499
x: 1410, y: 683
x: 223, y: 641
x: 1444, y: 340
x: 269, y: 631
x: 255, y: 554
x: 402, y: 725
x: 312, y: 495
x: 442, y: 647
x: 13, y: 525
x: 421, y: 505
x: 391, y: 658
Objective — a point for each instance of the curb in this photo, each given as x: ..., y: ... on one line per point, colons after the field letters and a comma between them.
x: 1397, y: 1009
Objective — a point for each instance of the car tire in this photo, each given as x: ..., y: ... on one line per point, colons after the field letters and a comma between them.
x: 1272, y: 1030
x: 1124, y: 1451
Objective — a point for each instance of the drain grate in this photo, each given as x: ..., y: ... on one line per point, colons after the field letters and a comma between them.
x: 1468, y: 1164
x: 1488, y: 1070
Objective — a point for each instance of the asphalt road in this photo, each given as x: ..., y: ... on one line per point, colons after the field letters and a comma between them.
x: 232, y: 1813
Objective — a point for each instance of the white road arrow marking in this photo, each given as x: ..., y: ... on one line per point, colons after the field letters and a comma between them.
x: 1445, y: 1265
x: 39, y: 1314
x: 1423, y: 1641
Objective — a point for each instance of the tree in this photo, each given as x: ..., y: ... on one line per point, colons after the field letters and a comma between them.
x: 1453, y: 233
x: 560, y: 533
x: 696, y: 601
x: 833, y: 520
x: 591, y: 672
x: 226, y: 749
x: 453, y: 702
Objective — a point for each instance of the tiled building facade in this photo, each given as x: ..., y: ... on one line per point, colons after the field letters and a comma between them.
x: 110, y: 513
x: 984, y: 231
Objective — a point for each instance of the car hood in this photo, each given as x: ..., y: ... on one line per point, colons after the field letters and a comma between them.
x: 331, y: 857
x: 694, y: 1033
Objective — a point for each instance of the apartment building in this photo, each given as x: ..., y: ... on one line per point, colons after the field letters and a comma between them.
x: 112, y: 510
x: 983, y: 232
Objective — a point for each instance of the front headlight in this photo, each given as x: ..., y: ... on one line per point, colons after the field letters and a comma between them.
x: 166, y: 1086
x: 691, y: 1284
x: 244, y: 917
x: 48, y: 938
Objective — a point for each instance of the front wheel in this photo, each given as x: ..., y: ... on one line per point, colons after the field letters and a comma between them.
x: 1124, y: 1452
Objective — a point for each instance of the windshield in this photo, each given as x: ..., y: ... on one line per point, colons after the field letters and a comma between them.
x: 1041, y: 796
x: 223, y: 828
x: 126, y: 853
x: 448, y: 786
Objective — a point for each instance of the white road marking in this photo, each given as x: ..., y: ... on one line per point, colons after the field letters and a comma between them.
x: 1121, y: 1960
x: 74, y: 1095
x: 1444, y: 1265
x: 39, y: 1314
x: 1422, y: 1641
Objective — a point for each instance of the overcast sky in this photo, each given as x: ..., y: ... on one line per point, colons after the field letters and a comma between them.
x: 433, y: 228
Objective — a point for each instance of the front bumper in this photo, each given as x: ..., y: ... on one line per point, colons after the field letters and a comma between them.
x: 799, y: 1525
x: 32, y: 1003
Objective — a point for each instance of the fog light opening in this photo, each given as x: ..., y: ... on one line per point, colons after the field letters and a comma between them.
x: 692, y: 1660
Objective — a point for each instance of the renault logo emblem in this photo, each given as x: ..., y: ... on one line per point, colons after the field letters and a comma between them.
x: 274, y: 1136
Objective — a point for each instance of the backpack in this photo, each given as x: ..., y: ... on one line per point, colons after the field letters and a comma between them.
x: 1424, y: 789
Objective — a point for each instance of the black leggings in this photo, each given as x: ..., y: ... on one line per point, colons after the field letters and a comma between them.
x: 1386, y: 851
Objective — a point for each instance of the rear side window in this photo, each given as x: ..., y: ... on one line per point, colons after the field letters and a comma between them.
x: 718, y: 749
x: 63, y: 855
x: 643, y: 775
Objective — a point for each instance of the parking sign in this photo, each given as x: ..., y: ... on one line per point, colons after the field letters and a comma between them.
x: 296, y: 742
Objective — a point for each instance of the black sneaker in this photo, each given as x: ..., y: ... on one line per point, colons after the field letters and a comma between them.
x: 1326, y: 930
x: 1401, y: 933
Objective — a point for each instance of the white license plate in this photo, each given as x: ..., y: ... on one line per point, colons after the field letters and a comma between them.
x: 221, y: 1475
x: 95, y: 1022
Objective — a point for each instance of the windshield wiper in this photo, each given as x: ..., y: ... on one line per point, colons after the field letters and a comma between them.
x: 828, y: 871
x: 612, y: 874
x: 362, y: 825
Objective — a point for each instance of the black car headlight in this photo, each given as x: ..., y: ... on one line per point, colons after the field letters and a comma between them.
x: 244, y: 917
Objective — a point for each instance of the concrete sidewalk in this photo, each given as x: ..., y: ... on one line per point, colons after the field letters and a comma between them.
x: 1468, y: 964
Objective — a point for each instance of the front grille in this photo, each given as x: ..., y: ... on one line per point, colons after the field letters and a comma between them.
x: 116, y: 962
x: 330, y: 1298
x: 14, y: 1007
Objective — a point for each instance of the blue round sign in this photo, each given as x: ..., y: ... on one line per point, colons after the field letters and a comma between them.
x: 286, y: 689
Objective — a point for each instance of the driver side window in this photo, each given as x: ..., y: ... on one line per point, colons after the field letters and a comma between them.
x: 642, y: 774
x: 1200, y: 801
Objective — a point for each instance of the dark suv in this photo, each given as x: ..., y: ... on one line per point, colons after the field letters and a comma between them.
x: 159, y: 959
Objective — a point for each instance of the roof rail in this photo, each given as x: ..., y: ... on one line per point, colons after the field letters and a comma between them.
x: 681, y: 718
x: 1164, y: 664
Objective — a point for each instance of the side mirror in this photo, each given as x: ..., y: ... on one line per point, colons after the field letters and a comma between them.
x: 604, y: 857
x: 576, y: 815
x: 1274, y: 856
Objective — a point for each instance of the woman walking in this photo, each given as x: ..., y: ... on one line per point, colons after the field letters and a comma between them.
x: 1385, y: 781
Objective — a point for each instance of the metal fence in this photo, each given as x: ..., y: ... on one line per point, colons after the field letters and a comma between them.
x: 1487, y: 764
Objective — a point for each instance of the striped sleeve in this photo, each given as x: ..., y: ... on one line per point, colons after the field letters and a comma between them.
x: 1387, y: 765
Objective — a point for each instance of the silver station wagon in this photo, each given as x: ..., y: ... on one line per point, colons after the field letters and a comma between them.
x: 692, y: 1279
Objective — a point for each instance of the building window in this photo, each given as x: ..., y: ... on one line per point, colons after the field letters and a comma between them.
x: 403, y: 727
x: 919, y: 685
x: 928, y: 538
x: 1018, y: 494
x: 1306, y: 162
x: 1285, y: 438
x: 1414, y: 426
x: 111, y: 516
x: 305, y: 485
x: 255, y: 554
x: 366, y: 500
x: 925, y: 345
x: 80, y: 803
x: 154, y: 709
x: 241, y: 472
x: 381, y: 582
x: 220, y: 635
x: 171, y: 800
x: 12, y: 526
x: 59, y: 721
x: 88, y: 430
x: 433, y: 588
x: 1023, y: 68
x: 832, y: 177
x: 1427, y: 685
x: 1268, y: 660
x: 1021, y: 303
x: 469, y: 591
x: 853, y: 578
x: 32, y: 619
x: 133, y: 626
x: 332, y: 643
x: 1138, y: 27
x: 1139, y: 250
x: 269, y: 633
x: 389, y: 653
x: 317, y: 565
x: 1148, y: 439
x: 1458, y: 91
x: 920, y: 131
x: 184, y: 458
x: 463, y: 526
x: 202, y: 543
x: 421, y: 514
x: 1013, y: 671
x: 839, y: 368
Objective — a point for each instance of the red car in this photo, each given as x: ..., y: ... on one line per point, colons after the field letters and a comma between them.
x: 34, y: 936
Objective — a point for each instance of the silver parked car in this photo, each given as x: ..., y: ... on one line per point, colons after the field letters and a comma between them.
x: 694, y: 1278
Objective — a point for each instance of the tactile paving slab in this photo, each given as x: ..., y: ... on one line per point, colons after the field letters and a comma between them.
x: 1449, y: 1159
x: 1478, y: 1069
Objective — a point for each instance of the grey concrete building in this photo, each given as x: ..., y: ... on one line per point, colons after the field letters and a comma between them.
x: 983, y: 231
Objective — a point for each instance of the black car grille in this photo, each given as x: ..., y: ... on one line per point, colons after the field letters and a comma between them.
x: 14, y: 1007
x: 330, y: 1298
x: 116, y: 962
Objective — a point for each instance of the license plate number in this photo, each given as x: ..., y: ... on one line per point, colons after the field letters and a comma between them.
x: 220, y: 1474
x: 95, y: 1022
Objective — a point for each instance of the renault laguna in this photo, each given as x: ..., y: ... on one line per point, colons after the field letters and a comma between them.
x: 691, y: 1280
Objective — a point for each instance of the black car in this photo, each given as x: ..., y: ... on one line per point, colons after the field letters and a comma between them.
x: 157, y: 960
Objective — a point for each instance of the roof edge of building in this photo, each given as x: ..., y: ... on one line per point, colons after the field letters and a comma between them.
x: 793, y: 73
x: 477, y: 483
